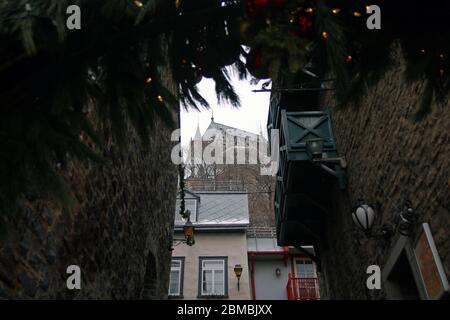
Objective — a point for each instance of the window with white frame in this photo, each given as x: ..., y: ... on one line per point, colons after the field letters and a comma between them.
x: 176, y: 277
x: 305, y: 268
x: 213, y: 276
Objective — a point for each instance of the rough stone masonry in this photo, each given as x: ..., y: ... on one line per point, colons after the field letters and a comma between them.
x: 119, y: 233
x: 391, y: 158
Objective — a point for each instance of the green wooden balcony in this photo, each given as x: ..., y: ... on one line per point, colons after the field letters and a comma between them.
x: 305, y: 178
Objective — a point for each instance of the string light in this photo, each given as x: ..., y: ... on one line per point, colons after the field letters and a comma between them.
x: 325, y: 34
x: 422, y: 51
x: 309, y: 10
x: 138, y: 4
x: 177, y: 3
x: 149, y: 79
x: 357, y: 14
x: 160, y: 99
x: 441, y: 56
x: 349, y: 58
x: 336, y: 10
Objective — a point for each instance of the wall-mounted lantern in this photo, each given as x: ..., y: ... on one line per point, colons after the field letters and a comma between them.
x: 364, y: 216
x: 238, y: 273
x: 314, y: 150
x: 407, y: 220
x: 278, y: 272
x: 188, y: 231
x: 331, y: 165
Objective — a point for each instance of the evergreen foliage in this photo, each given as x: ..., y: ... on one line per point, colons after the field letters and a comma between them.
x: 54, y: 82
x: 60, y: 88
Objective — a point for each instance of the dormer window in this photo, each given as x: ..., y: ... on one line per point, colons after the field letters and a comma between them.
x: 189, y: 204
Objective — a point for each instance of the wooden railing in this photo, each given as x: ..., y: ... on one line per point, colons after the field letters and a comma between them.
x: 302, y: 288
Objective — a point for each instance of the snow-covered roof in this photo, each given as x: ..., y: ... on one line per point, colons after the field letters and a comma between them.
x: 230, y: 130
x: 216, y: 209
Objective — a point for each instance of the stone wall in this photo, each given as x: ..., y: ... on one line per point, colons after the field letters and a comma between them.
x: 118, y: 233
x: 391, y: 158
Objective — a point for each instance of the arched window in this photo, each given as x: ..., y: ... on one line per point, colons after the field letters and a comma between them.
x: 149, y: 291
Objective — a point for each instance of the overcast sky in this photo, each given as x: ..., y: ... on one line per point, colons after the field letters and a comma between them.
x: 249, y: 117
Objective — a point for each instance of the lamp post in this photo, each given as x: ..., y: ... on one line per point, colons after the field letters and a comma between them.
x: 238, y: 273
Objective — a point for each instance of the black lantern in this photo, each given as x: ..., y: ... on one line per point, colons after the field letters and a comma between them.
x: 188, y: 232
x: 314, y: 148
x: 188, y: 229
x: 277, y: 272
x: 408, y: 218
x: 238, y: 272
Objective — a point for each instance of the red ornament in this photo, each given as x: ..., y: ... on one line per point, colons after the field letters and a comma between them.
x: 255, y: 65
x: 261, y: 3
x: 305, y: 24
x: 257, y: 62
x: 279, y: 3
x: 257, y: 8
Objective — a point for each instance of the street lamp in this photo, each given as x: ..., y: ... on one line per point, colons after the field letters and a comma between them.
x: 408, y: 218
x: 331, y: 165
x: 277, y: 272
x: 238, y: 272
x: 188, y: 229
x: 314, y: 148
x: 188, y: 232
x: 363, y: 215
